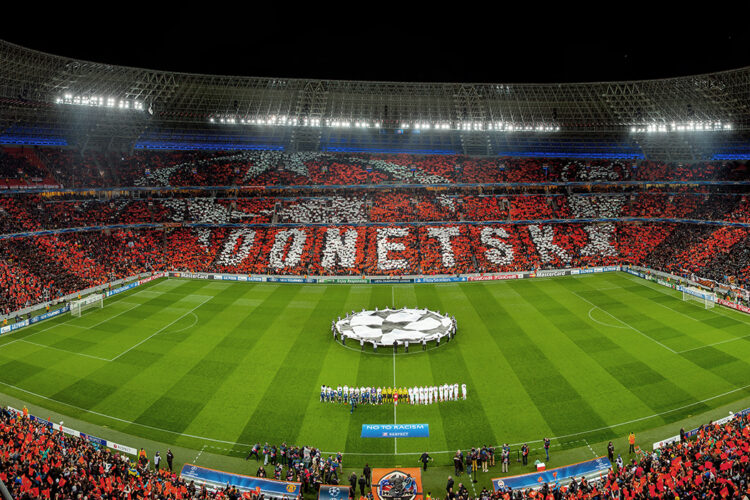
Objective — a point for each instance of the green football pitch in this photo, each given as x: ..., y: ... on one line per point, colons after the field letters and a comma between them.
x: 199, y: 364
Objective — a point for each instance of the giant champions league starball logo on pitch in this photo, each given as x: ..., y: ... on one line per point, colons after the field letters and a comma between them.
x: 386, y: 327
x: 402, y: 483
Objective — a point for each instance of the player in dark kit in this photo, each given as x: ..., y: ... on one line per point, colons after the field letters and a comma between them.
x: 254, y: 452
x: 424, y: 459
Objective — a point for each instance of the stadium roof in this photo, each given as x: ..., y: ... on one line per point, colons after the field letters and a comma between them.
x: 89, y: 103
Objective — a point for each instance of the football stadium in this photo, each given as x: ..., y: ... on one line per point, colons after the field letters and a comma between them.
x: 250, y: 287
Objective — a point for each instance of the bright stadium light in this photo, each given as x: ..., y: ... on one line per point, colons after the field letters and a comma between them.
x: 98, y: 102
x: 690, y: 126
x: 363, y: 123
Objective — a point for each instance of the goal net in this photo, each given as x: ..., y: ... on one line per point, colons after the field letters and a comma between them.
x: 92, y: 301
x: 707, y: 299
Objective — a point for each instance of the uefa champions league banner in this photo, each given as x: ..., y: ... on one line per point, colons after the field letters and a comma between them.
x: 536, y: 479
x: 35, y: 319
x: 121, y: 289
x: 333, y: 492
x: 14, y: 326
x: 273, y: 279
x: 50, y: 314
x: 390, y: 281
x: 219, y: 479
x: 395, y: 430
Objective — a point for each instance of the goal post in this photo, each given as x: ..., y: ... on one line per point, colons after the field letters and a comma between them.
x: 707, y: 299
x: 92, y: 301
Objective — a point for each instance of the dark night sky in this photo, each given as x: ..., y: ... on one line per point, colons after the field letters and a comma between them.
x: 473, y: 44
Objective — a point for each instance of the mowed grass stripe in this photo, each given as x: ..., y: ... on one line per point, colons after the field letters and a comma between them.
x: 565, y: 410
x: 81, y: 383
x: 279, y: 328
x: 199, y: 371
x: 415, y: 369
x: 703, y: 326
x: 652, y: 323
x: 544, y: 322
x: 720, y: 311
x: 511, y: 411
x: 328, y: 424
x: 41, y: 370
x: 712, y: 325
x: 449, y: 366
x: 372, y: 370
x: 299, y: 372
x: 656, y: 390
x: 109, y: 337
x: 60, y: 323
x: 48, y: 379
x: 725, y: 360
x: 23, y: 360
x: 259, y: 343
x: 701, y: 384
x: 107, y: 388
x: 234, y: 360
x: 235, y: 386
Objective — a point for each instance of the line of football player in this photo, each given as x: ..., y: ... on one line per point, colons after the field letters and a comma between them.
x: 378, y: 395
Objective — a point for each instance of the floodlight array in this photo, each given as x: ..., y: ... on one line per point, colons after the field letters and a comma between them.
x: 665, y: 128
x: 99, y: 102
x: 349, y: 123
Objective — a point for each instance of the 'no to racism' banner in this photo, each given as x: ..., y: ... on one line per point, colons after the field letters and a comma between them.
x: 395, y: 430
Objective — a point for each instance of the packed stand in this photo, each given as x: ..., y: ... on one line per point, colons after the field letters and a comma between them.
x: 21, y: 167
x: 716, y: 464
x: 272, y: 168
x: 39, y: 462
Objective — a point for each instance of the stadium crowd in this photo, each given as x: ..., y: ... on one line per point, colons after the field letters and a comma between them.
x: 38, y: 462
x: 31, y: 212
x: 716, y: 464
x: 386, y: 230
x: 271, y: 168
x: 45, y: 267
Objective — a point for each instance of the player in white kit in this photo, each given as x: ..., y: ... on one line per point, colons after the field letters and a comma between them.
x: 463, y: 391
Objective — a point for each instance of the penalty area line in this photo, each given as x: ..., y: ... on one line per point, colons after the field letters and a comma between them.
x: 159, y: 330
x: 63, y: 350
x: 623, y: 322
